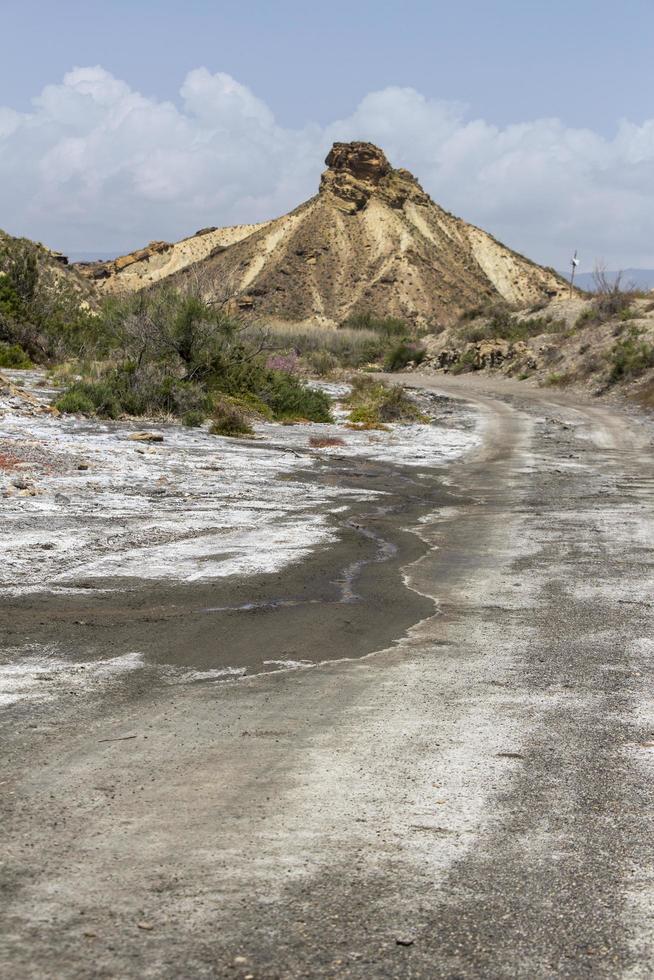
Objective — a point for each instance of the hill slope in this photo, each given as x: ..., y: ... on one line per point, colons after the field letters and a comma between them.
x: 371, y: 240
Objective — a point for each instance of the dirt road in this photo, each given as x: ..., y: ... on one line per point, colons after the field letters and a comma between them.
x: 475, y: 801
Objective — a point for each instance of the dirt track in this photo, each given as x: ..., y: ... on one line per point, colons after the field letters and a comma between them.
x: 475, y: 801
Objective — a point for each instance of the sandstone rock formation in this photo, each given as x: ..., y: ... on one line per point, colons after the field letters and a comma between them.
x: 371, y: 240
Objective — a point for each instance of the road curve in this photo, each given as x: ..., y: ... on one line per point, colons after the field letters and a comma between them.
x: 475, y: 802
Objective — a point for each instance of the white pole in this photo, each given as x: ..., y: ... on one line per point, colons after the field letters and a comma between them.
x: 574, y: 263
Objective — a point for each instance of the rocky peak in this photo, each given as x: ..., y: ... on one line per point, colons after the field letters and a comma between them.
x: 364, y: 161
x: 358, y: 170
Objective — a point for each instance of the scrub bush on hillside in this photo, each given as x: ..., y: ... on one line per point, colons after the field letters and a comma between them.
x: 172, y: 353
x: 41, y: 313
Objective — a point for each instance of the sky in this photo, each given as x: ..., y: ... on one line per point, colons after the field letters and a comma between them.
x: 123, y: 122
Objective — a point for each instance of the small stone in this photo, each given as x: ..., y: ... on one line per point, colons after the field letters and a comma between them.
x: 145, y: 437
x: 404, y: 941
x: 83, y: 466
x: 147, y: 926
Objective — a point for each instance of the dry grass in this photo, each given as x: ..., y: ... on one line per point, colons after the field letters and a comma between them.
x: 320, y: 442
x: 348, y: 347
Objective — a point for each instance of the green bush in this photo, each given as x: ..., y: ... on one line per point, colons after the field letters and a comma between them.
x: 193, y: 418
x: 229, y: 419
x: 13, y: 356
x: 373, y: 403
x: 630, y: 357
x: 41, y: 309
x: 75, y: 401
x: 289, y: 398
x: 466, y: 362
x: 502, y: 323
x: 126, y: 390
x: 173, y: 354
x: 556, y: 379
x: 402, y: 354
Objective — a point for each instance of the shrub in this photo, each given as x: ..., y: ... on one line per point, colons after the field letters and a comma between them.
x: 321, y: 362
x: 130, y: 390
x: 466, y: 362
x: 90, y: 397
x: 41, y: 309
x: 288, y: 398
x: 229, y: 419
x: 13, y: 356
x: 508, y: 326
x: 193, y: 418
x: 75, y: 401
x: 556, y: 378
x: 174, y: 354
x: 372, y: 403
x: 630, y: 357
x: 401, y: 355
x: 611, y: 301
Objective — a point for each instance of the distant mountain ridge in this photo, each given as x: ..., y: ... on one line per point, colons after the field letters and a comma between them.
x: 371, y: 240
x: 636, y: 278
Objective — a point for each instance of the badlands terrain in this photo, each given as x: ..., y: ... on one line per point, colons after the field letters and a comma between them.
x: 379, y: 709
x: 371, y: 240
x: 296, y: 690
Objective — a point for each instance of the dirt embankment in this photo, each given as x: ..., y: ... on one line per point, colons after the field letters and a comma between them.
x: 565, y: 343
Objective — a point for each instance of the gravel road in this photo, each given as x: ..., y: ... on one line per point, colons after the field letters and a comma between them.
x: 475, y: 801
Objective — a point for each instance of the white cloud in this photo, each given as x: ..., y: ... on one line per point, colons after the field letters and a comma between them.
x: 96, y: 165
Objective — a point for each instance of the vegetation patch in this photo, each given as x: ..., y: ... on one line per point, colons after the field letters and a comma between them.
x: 407, y: 352
x: 170, y: 353
x: 229, y: 419
x: 557, y: 378
x: 611, y: 300
x: 193, y: 419
x: 387, y: 326
x: 361, y: 341
x: 500, y: 322
x: 630, y: 357
x: 41, y: 311
x: 13, y: 356
x: 465, y: 362
x: 373, y: 403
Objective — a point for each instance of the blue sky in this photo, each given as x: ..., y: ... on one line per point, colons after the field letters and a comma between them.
x: 531, y: 119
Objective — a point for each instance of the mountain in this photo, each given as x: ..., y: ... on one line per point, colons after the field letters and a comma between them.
x: 630, y: 278
x: 371, y: 240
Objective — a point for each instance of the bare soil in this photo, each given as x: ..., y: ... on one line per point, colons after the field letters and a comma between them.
x: 473, y: 800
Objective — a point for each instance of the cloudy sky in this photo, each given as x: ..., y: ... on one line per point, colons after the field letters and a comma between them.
x: 122, y: 122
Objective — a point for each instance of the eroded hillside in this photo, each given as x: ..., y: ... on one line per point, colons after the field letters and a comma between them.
x: 371, y: 240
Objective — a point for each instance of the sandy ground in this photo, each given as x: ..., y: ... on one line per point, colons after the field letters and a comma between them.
x: 473, y: 800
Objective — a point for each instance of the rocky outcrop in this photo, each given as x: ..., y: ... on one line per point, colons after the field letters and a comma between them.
x: 358, y: 171
x: 103, y: 270
x: 480, y: 355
